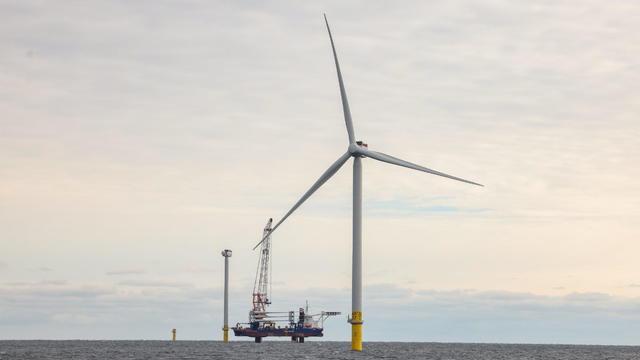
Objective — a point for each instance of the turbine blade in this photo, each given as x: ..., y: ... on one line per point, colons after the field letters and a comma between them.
x: 323, y: 178
x: 343, y: 93
x: 395, y: 161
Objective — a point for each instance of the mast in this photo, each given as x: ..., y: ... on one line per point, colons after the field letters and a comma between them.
x: 262, y: 283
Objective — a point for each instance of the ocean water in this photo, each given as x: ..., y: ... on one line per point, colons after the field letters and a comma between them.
x: 78, y: 349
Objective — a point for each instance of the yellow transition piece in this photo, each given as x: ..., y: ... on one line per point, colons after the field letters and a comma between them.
x: 356, y: 330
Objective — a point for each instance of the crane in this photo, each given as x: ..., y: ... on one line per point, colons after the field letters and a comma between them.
x: 262, y: 283
x: 263, y: 323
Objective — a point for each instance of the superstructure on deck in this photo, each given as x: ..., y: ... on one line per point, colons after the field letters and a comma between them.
x: 263, y: 323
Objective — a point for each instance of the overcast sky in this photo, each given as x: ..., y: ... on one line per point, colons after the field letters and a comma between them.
x: 139, y: 139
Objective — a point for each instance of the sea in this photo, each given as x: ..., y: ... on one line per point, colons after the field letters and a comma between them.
x: 151, y: 350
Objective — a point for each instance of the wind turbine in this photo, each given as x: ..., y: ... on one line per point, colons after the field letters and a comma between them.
x: 356, y: 150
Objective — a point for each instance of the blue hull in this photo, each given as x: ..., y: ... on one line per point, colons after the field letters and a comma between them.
x: 292, y: 332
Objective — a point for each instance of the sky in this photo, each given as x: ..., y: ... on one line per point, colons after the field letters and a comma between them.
x: 139, y: 139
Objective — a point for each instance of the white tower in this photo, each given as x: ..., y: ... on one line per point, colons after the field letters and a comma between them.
x: 227, y: 254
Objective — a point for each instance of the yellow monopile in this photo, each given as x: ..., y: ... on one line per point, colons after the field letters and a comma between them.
x: 356, y: 330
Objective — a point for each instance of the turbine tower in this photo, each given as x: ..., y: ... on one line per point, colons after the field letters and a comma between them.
x: 356, y: 150
x: 226, y: 253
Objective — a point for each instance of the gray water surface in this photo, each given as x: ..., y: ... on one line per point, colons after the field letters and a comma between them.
x: 78, y: 349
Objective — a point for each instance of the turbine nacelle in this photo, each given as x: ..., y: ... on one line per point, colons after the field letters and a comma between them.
x: 356, y: 149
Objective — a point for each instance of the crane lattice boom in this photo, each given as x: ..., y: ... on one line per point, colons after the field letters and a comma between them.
x: 262, y: 283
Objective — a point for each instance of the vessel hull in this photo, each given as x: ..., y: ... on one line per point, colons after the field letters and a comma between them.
x: 291, y: 332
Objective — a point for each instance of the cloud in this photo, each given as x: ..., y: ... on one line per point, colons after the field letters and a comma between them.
x: 56, y: 290
x: 201, y: 269
x: 53, y: 282
x: 156, y: 283
x: 126, y: 272
x: 106, y: 311
x: 391, y: 313
x: 174, y: 148
x: 417, y: 207
x: 67, y: 319
x: 383, y: 292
